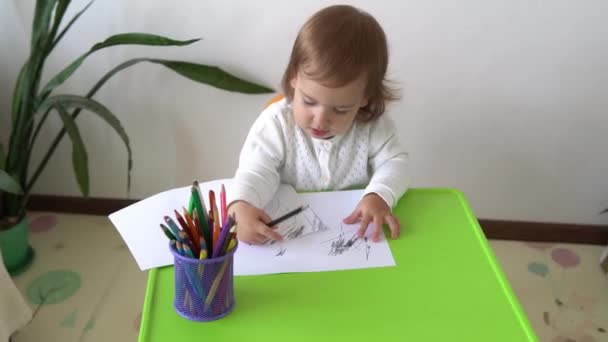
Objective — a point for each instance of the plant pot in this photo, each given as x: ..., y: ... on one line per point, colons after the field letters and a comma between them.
x: 14, y: 245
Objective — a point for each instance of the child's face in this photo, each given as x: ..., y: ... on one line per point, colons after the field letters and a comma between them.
x: 325, y: 112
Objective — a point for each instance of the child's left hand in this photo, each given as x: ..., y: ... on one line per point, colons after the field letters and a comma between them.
x: 372, y: 208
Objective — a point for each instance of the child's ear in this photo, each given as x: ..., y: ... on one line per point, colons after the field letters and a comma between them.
x: 293, y: 78
x: 365, y: 102
x: 293, y: 81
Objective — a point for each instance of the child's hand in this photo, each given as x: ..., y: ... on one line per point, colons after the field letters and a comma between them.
x: 251, y: 226
x: 372, y: 208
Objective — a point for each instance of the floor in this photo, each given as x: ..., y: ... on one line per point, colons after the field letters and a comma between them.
x: 85, y: 286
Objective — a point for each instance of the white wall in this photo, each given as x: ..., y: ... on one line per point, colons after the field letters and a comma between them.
x: 505, y: 100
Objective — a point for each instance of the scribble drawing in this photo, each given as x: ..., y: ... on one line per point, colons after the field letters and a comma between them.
x: 300, y: 225
x: 341, y: 245
x: 295, y: 233
x: 281, y: 251
x: 314, y: 221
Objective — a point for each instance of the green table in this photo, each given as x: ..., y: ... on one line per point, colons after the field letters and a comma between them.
x: 447, y: 286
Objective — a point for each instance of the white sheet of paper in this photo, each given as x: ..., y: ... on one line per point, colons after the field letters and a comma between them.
x: 139, y: 223
x: 323, y: 244
x: 285, y: 200
x: 335, y: 248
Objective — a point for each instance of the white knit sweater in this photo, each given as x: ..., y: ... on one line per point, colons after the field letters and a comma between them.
x: 277, y: 151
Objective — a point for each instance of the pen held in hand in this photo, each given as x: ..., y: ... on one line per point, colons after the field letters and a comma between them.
x: 287, y: 216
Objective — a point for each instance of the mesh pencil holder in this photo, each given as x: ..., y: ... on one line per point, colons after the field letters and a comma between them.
x: 204, y: 289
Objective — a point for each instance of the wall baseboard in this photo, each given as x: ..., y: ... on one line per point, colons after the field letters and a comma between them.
x: 493, y: 229
x: 541, y: 231
x: 77, y: 205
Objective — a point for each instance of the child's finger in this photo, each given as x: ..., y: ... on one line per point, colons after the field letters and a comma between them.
x: 259, y: 239
x: 354, y: 217
x: 246, y: 237
x: 271, y: 233
x: 264, y: 217
x: 364, y: 223
x: 394, y: 225
x: 377, y: 228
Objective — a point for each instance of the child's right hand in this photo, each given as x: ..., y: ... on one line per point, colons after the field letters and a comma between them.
x: 251, y: 226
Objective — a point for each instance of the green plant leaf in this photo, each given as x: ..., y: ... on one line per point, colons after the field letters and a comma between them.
x: 18, y: 93
x: 20, y: 116
x: 197, y: 72
x: 137, y: 38
x: 67, y: 27
x: 27, y: 87
x: 37, y: 130
x: 213, y: 76
x: 9, y: 184
x: 62, y: 5
x: 73, y: 101
x: 90, y: 94
x: 79, y: 153
x: 119, y: 39
x: 41, y: 23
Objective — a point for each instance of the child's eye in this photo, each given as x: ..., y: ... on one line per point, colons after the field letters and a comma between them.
x: 340, y: 111
x: 308, y: 102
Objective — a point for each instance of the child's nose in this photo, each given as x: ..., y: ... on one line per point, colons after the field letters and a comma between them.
x: 322, y: 117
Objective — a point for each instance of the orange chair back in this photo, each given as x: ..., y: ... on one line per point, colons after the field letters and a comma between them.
x: 276, y: 98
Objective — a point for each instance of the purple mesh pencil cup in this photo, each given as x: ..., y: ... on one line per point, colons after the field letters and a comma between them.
x: 204, y: 288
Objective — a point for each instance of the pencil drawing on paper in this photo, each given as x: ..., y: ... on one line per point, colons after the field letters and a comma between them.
x: 353, y: 244
x: 281, y: 251
x: 294, y: 233
x: 311, y: 223
x: 297, y: 226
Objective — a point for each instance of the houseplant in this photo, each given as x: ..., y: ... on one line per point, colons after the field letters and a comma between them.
x: 33, y: 102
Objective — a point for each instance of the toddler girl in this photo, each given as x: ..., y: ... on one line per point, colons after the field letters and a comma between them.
x: 330, y: 131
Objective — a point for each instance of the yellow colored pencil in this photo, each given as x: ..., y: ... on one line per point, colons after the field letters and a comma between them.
x: 201, y: 266
x: 215, y: 285
x: 187, y: 300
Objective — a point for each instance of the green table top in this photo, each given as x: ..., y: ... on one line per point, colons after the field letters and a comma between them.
x: 447, y: 286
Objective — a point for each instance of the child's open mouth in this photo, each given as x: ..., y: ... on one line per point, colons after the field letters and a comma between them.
x: 317, y: 133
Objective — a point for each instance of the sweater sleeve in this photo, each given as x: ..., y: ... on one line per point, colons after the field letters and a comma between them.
x: 257, y: 176
x: 388, y: 161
